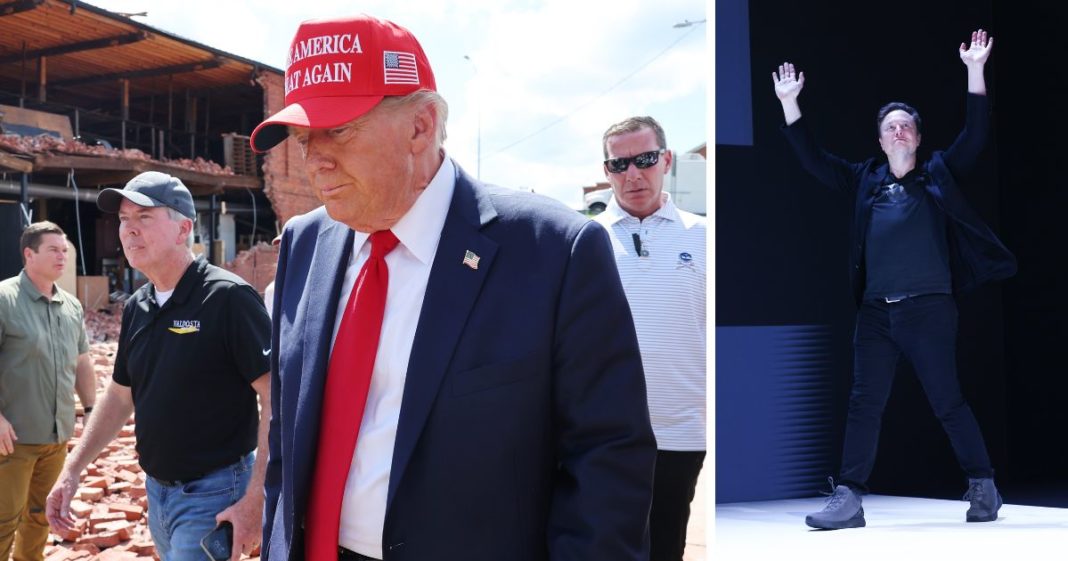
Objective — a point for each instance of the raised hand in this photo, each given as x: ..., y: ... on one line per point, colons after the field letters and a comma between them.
x: 978, y: 50
x: 788, y: 84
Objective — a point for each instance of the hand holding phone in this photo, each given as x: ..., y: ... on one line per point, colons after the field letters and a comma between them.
x: 219, y: 542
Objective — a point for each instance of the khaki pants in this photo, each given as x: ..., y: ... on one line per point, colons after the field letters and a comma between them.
x: 27, y: 475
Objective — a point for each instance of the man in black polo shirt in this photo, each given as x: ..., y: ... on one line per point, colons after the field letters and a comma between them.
x: 916, y: 242
x: 193, y: 357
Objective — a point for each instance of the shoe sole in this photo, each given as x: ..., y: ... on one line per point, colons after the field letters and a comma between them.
x: 855, y: 522
x: 987, y: 518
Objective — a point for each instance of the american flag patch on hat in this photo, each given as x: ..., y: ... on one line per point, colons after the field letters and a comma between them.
x: 399, y: 68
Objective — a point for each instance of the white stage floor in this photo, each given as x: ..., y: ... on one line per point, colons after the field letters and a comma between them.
x: 899, y: 528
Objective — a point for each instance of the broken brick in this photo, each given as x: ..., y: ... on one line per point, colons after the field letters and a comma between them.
x: 98, y: 518
x: 132, y: 512
x: 74, y: 533
x: 120, y: 487
x: 91, y: 548
x: 80, y: 509
x: 103, y: 540
x: 127, y: 476
x: 91, y: 494
x: 120, y: 527
x: 143, y: 547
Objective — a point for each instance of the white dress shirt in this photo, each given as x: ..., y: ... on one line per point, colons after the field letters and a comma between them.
x: 363, y: 509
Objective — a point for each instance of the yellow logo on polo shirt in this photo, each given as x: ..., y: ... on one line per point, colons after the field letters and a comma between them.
x: 183, y: 327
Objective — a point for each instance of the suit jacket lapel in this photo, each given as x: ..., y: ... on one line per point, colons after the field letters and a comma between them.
x: 451, y: 292
x: 326, y: 274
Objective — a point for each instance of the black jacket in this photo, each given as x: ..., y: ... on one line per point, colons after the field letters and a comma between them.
x: 976, y: 254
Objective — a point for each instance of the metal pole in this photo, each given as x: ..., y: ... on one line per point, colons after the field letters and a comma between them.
x: 478, y: 173
x: 22, y: 95
x: 42, y: 79
x: 207, y: 121
x: 211, y: 230
x: 24, y: 199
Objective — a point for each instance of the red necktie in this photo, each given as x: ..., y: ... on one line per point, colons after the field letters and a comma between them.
x: 347, y: 381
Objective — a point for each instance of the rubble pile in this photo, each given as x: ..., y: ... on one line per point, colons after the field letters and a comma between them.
x: 44, y: 144
x: 256, y: 265
x: 201, y: 165
x: 111, y: 505
x: 104, y: 325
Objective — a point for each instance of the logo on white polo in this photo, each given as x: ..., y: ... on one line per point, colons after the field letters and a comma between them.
x: 685, y: 261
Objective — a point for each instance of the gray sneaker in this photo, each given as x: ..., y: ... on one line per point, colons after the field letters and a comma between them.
x: 985, y: 500
x: 843, y: 510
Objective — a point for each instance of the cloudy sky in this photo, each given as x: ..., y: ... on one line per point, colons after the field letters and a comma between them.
x: 545, y: 77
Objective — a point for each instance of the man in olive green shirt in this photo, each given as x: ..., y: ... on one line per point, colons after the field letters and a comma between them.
x: 44, y: 359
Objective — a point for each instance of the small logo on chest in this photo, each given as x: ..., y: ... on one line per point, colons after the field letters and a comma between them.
x: 184, y: 326
x: 685, y: 261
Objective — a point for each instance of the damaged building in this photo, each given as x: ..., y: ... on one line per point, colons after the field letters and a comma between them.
x: 90, y: 98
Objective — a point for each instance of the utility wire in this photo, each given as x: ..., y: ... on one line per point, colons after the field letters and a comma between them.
x: 78, y: 219
x: 568, y: 115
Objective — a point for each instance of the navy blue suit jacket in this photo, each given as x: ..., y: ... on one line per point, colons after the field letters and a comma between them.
x: 524, y: 429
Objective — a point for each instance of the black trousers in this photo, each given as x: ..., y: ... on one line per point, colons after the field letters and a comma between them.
x: 674, y: 483
x: 924, y: 330
x: 349, y: 555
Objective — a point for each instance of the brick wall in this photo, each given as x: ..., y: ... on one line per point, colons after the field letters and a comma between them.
x: 285, y: 183
x: 256, y: 265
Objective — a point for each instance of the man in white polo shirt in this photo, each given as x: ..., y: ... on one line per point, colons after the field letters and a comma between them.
x: 660, y: 252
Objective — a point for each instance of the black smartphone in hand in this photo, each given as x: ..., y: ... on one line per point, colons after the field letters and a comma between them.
x: 219, y: 542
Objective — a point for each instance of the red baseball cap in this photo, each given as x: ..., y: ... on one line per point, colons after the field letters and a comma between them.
x: 340, y: 68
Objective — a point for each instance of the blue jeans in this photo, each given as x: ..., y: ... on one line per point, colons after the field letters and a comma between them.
x: 924, y: 330
x: 180, y: 515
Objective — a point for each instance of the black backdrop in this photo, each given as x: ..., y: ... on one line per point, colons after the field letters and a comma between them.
x: 10, y: 230
x: 781, y: 238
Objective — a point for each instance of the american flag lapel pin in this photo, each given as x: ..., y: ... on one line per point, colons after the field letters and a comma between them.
x: 471, y: 260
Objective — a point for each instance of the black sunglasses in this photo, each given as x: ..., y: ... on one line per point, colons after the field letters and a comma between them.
x: 641, y: 161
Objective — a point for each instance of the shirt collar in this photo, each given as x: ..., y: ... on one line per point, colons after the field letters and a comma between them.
x: 614, y: 213
x: 187, y: 282
x: 31, y: 289
x: 419, y: 230
x: 915, y: 174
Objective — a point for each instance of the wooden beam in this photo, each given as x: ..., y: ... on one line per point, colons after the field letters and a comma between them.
x: 200, y: 182
x: 80, y: 46
x: 87, y: 178
x: 20, y: 6
x: 101, y: 168
x: 65, y: 162
x: 9, y: 162
x: 145, y: 73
